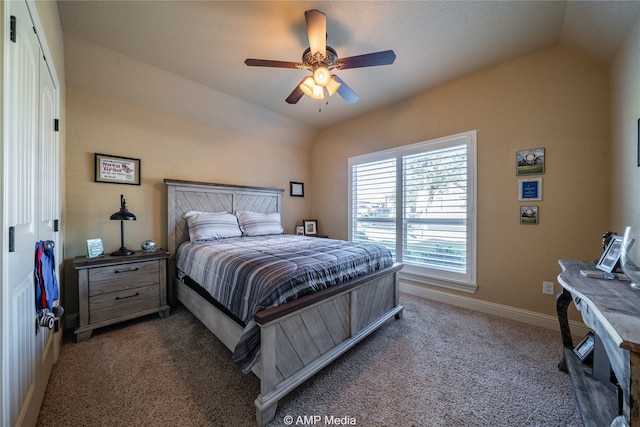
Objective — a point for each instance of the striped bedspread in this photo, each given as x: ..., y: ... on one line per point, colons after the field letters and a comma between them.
x: 251, y: 274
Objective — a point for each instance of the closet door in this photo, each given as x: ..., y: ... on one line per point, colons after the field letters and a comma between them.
x: 48, y: 205
x: 20, y: 147
x: 30, y: 205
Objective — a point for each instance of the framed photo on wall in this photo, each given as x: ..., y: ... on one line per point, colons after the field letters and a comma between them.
x: 528, y: 214
x: 296, y: 189
x: 116, y: 169
x: 530, y: 189
x: 530, y: 162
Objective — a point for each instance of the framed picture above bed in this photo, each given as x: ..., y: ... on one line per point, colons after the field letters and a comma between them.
x: 310, y: 227
x: 296, y: 189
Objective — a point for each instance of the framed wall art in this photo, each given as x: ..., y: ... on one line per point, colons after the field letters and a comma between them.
x: 116, y: 170
x: 528, y: 214
x: 530, y: 189
x: 530, y: 162
x: 296, y: 189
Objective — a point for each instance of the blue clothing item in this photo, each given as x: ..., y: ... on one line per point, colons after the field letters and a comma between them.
x: 46, y: 283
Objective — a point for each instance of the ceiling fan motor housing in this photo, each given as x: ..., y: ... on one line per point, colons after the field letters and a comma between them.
x: 313, y: 61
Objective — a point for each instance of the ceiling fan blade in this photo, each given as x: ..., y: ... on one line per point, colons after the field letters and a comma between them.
x: 346, y: 92
x: 297, y: 93
x: 316, y: 31
x: 268, y: 63
x: 385, y: 57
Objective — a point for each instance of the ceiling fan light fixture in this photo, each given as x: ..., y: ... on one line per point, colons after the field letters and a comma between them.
x: 321, y: 76
x: 332, y: 86
x: 310, y: 88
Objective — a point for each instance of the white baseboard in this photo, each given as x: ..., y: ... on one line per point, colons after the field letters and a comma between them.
x: 529, y: 317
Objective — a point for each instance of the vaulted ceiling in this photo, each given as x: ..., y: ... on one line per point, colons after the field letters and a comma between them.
x: 435, y: 42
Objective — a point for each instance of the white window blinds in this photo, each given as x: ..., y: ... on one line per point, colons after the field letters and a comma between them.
x: 374, y: 203
x: 435, y: 208
x: 419, y: 201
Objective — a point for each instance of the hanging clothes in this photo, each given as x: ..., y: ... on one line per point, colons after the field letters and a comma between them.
x: 46, y: 283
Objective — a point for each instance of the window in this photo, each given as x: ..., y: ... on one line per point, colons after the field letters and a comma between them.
x: 419, y: 201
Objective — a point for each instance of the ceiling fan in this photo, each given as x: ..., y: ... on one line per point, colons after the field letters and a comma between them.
x: 321, y: 60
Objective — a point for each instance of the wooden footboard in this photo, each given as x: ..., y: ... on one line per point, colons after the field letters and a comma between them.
x: 300, y: 338
x: 297, y: 342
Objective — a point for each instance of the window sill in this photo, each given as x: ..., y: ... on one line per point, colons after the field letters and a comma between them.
x: 419, y: 279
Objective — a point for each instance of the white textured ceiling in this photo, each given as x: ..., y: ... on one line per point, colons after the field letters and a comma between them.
x: 435, y: 42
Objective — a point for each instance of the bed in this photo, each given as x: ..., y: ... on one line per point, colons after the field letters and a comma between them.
x: 297, y: 338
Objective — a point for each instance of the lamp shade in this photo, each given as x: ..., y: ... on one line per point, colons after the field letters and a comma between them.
x: 321, y: 76
x: 309, y: 87
x: 123, y: 214
x: 332, y: 86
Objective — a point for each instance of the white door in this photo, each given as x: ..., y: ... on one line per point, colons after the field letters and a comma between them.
x: 26, y: 355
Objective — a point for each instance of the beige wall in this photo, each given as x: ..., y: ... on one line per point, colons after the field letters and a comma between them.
x: 556, y: 99
x: 624, y: 202
x: 179, y: 130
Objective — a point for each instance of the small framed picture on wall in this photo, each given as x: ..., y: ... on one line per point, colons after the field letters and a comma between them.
x: 528, y: 214
x: 530, y: 162
x: 530, y: 189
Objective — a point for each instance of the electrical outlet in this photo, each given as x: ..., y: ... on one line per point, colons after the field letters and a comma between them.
x: 547, y: 288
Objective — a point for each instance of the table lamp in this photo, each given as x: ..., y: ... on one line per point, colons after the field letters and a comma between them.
x: 122, y: 215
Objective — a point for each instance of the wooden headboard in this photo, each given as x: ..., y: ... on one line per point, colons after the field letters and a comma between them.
x: 184, y: 196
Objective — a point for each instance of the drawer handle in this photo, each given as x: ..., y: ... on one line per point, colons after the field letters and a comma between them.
x: 126, y: 271
x: 129, y: 296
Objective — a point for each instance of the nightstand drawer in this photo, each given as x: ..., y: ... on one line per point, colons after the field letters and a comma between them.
x: 115, y: 304
x: 115, y: 278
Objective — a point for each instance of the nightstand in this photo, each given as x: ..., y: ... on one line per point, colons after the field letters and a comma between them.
x: 112, y: 289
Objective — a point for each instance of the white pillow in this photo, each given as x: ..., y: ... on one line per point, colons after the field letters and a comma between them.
x: 204, y: 227
x: 192, y: 213
x: 259, y: 224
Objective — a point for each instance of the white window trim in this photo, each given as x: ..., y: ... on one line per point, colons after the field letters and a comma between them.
x: 417, y: 274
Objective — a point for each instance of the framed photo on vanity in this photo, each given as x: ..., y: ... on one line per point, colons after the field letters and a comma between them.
x: 610, y: 259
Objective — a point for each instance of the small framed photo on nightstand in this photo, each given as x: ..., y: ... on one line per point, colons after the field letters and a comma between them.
x: 310, y: 227
x: 94, y: 248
